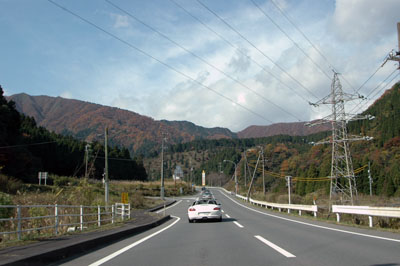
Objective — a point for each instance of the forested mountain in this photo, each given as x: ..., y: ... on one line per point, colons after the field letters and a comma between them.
x: 83, y: 120
x: 141, y: 134
x: 26, y: 149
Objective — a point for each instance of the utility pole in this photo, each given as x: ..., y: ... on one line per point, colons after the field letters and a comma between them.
x: 395, y: 56
x: 262, y: 154
x: 106, y: 165
x: 343, y: 182
x: 245, y: 170
x: 289, y: 182
x: 370, y: 179
x: 86, y: 159
x: 236, y: 180
x: 162, y: 168
x: 252, y: 179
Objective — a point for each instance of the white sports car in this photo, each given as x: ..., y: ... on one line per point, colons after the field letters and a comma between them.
x: 203, y: 209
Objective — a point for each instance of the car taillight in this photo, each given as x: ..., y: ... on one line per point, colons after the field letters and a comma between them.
x: 192, y: 209
x: 217, y: 208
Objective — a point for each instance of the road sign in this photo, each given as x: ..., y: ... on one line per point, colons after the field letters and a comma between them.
x: 124, y: 198
x: 42, y: 175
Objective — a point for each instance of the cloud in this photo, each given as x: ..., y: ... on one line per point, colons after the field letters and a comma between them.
x: 120, y: 21
x: 365, y: 20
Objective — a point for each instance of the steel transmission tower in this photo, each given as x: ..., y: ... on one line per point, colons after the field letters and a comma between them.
x: 343, y: 182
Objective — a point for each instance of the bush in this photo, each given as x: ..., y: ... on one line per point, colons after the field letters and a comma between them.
x: 5, y: 199
x: 9, y: 185
x: 62, y: 181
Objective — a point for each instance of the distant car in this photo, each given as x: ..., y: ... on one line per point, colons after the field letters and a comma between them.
x: 203, y: 209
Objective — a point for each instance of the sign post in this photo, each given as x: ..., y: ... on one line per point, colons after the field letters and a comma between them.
x: 42, y: 175
x: 203, y: 178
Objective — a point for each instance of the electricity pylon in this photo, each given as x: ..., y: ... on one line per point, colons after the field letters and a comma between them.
x: 343, y: 182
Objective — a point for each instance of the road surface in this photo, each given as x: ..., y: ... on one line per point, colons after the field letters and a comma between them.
x: 247, y: 236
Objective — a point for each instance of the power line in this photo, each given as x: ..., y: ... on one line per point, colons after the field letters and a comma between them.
x: 255, y: 47
x: 287, y: 35
x: 200, y: 58
x: 239, y: 50
x: 156, y: 59
x: 30, y: 144
x: 362, y: 106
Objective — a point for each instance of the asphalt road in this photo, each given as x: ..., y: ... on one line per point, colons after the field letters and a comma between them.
x: 248, y: 236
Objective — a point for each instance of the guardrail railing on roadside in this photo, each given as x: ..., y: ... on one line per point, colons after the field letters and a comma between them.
x: 371, y: 211
x: 37, y: 218
x: 279, y: 206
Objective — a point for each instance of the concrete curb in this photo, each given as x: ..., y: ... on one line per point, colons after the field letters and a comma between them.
x: 42, y: 257
x: 159, y: 207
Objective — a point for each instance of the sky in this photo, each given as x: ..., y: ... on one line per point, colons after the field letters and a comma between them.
x: 215, y: 63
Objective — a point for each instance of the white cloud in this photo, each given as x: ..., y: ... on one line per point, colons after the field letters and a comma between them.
x: 120, y: 21
x: 365, y: 20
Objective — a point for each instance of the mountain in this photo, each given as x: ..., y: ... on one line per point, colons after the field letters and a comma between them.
x: 87, y: 121
x: 291, y: 129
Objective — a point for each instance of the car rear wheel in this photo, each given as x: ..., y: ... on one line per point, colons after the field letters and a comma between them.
x: 190, y: 221
x: 220, y: 219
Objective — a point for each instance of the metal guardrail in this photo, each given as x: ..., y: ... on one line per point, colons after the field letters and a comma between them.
x: 54, y: 217
x: 279, y: 206
x: 366, y: 210
x: 370, y: 211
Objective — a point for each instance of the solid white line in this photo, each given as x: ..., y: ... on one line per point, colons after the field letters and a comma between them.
x: 119, y: 252
x: 227, y: 215
x: 238, y: 224
x: 314, y: 225
x: 279, y: 249
x: 222, y: 210
x: 173, y: 205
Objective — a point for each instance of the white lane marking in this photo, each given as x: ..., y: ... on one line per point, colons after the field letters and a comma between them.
x: 222, y: 210
x: 173, y: 205
x: 279, y: 249
x: 314, y: 225
x: 238, y: 224
x: 119, y: 252
x: 187, y: 200
x: 227, y: 215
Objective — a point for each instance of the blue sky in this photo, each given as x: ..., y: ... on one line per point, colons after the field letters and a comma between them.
x: 47, y: 51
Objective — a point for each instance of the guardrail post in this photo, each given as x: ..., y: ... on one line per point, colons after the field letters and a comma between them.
x: 129, y: 211
x: 300, y: 212
x: 338, y: 217
x: 370, y: 221
x: 56, y: 219
x: 98, y: 215
x: 123, y: 211
x: 112, y: 213
x: 288, y: 210
x: 19, y: 221
x: 315, y: 214
x: 81, y: 217
x: 279, y: 209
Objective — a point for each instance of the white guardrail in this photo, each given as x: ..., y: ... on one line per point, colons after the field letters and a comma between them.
x: 393, y: 212
x: 36, y: 218
x: 279, y: 206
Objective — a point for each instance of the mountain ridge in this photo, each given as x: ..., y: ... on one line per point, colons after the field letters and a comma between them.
x: 140, y: 133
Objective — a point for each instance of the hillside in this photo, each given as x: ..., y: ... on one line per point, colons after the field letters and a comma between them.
x: 86, y: 121
x: 291, y: 129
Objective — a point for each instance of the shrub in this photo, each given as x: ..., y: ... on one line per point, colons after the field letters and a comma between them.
x: 10, y: 185
x: 5, y: 199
